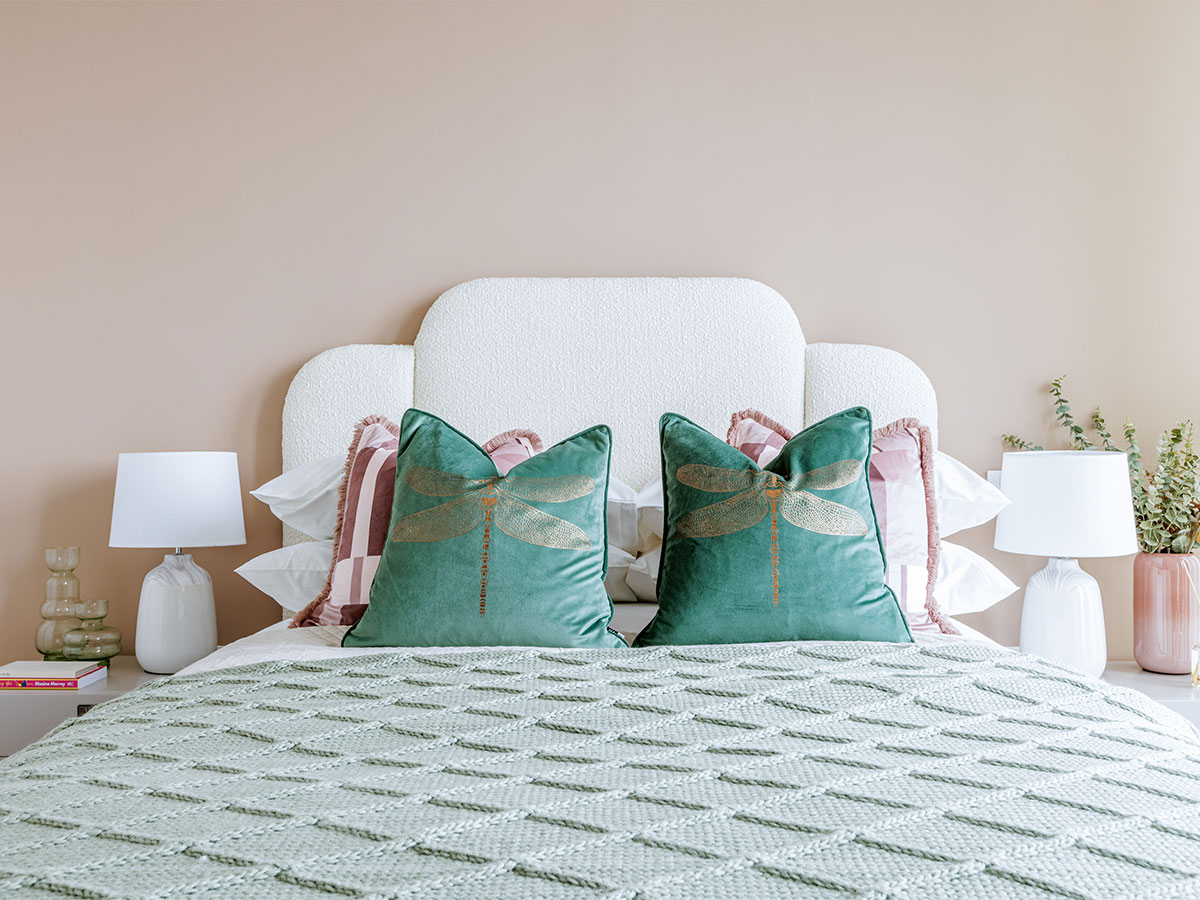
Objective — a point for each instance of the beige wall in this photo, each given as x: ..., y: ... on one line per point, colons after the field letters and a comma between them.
x: 194, y: 199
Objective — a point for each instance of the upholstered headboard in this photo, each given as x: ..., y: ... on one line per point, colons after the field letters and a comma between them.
x: 560, y: 354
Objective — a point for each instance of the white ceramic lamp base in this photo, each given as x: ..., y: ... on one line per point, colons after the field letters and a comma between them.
x: 177, y: 619
x: 1063, y: 619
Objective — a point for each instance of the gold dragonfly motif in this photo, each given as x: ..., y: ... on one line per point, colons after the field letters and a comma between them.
x: 765, y: 492
x: 498, y: 500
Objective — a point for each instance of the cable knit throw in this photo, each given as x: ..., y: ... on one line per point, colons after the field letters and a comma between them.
x: 935, y: 770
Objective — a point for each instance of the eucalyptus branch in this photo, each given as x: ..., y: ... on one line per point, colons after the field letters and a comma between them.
x: 1019, y: 443
x: 1066, y: 418
x: 1101, y: 428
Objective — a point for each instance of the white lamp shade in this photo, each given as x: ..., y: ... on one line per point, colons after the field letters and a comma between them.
x: 177, y: 500
x: 1072, y: 503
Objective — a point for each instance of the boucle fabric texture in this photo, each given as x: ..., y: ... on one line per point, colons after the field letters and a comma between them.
x: 613, y: 350
x: 934, y: 770
x: 332, y: 391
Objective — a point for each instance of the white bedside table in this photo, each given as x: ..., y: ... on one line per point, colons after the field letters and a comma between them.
x: 1175, y: 692
x: 27, y: 715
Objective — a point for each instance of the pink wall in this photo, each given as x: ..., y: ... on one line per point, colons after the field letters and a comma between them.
x: 196, y: 198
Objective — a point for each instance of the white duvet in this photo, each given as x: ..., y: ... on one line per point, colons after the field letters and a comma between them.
x: 277, y: 642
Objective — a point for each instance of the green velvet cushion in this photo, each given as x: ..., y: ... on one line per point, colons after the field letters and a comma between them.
x: 474, y: 558
x: 789, y: 552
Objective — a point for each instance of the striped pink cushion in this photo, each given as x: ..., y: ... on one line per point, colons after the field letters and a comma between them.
x: 512, y: 447
x: 902, y: 492
x: 364, y: 513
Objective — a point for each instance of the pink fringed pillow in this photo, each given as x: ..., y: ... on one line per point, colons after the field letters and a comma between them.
x: 364, y: 513
x: 902, y: 491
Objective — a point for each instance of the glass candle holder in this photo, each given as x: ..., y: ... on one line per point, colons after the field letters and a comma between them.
x: 61, y: 598
x: 92, y: 640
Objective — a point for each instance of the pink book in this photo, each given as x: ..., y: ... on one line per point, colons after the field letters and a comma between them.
x: 38, y: 675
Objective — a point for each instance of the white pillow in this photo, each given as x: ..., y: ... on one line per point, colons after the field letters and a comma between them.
x: 622, y: 517
x: 643, y: 574
x: 619, y: 562
x: 306, y: 497
x: 966, y: 582
x: 964, y: 499
x: 291, y: 576
x: 650, y: 515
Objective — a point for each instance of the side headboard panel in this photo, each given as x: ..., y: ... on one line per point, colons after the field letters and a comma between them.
x: 333, y: 392
x: 561, y: 354
x: 887, y: 383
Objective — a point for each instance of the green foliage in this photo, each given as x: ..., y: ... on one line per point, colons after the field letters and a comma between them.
x: 1062, y: 410
x: 1018, y: 444
x: 1166, y: 501
x: 1168, y: 516
x: 1102, y: 432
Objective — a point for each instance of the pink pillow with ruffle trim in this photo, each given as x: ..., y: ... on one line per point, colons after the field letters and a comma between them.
x: 365, y: 510
x: 902, y: 491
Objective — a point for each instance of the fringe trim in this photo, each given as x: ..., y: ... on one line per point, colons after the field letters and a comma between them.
x: 762, y: 419
x: 516, y: 433
x: 308, y: 615
x: 925, y: 443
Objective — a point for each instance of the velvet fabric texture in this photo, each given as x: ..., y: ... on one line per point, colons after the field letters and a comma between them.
x: 477, y: 558
x: 902, y: 480
x: 790, y: 551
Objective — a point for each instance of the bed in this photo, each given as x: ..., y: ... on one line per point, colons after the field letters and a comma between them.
x: 286, y: 766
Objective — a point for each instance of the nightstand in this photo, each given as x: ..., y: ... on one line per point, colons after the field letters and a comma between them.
x: 1175, y: 692
x: 27, y: 715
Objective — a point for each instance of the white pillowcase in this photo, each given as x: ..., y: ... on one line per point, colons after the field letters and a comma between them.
x: 622, y: 517
x: 619, y: 562
x: 291, y: 576
x: 966, y: 582
x: 306, y: 497
x: 643, y: 574
x: 964, y: 499
x: 650, y: 516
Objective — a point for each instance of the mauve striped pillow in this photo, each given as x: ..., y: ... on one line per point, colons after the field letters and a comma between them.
x: 364, y: 513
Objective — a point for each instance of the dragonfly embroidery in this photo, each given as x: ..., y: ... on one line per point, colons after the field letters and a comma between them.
x: 765, y: 492
x: 498, y: 500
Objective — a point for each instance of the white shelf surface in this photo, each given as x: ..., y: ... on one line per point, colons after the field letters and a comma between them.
x: 27, y: 715
x: 1173, y: 691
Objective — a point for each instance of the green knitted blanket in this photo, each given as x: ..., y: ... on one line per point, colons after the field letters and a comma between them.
x: 752, y: 771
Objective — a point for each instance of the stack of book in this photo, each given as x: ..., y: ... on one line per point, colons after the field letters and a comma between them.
x: 39, y: 675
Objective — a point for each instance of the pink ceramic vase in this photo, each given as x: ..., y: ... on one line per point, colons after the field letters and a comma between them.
x: 1166, y: 620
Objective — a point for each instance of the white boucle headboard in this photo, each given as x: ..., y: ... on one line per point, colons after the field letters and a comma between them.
x: 561, y: 354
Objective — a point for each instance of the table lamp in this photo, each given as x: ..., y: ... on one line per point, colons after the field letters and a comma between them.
x: 1066, y: 504
x: 176, y: 500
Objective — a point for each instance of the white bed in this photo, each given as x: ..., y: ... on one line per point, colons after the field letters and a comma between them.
x: 285, y: 766
x: 279, y: 642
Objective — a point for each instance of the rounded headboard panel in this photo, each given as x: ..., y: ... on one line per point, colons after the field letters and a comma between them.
x: 558, y: 355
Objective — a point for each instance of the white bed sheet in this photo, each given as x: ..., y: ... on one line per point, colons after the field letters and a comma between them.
x: 278, y: 642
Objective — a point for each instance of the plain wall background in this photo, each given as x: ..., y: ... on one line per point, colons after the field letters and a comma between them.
x: 196, y: 198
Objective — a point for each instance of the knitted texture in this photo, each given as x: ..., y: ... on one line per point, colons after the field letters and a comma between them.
x: 937, y: 770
